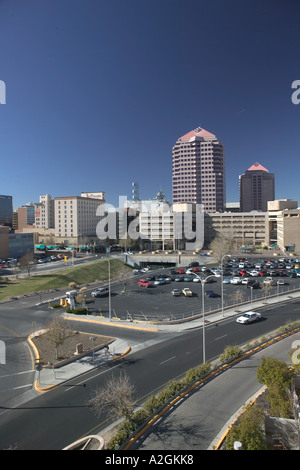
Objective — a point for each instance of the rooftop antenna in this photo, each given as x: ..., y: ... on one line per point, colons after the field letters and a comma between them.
x: 135, y: 191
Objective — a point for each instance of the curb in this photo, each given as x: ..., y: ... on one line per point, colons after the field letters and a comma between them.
x: 37, y: 356
x: 210, y: 375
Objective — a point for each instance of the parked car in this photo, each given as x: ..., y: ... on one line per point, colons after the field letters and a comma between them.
x: 176, y: 292
x: 144, y: 283
x: 254, y: 273
x: 236, y: 280
x: 100, y: 292
x: 187, y: 292
x: 249, y: 317
x: 211, y: 293
x: 253, y: 284
x: 160, y: 282
x: 269, y: 281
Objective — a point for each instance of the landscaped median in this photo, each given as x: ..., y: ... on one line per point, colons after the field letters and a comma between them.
x: 124, y: 442
x: 76, y: 346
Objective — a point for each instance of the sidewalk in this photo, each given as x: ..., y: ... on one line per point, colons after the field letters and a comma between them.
x: 48, y: 378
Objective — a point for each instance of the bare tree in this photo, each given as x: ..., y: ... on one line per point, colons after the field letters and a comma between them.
x: 222, y: 245
x: 266, y: 288
x: 27, y: 262
x: 124, y: 275
x: 57, y: 332
x: 116, y: 398
x: 237, y: 296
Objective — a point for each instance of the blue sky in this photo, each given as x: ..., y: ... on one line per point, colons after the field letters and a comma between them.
x: 98, y: 92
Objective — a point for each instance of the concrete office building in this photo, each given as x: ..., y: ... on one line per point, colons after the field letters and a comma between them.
x: 257, y: 187
x: 25, y: 216
x: 199, y: 171
x: 243, y: 227
x: 284, y: 223
x: 76, y: 216
x: 44, y: 212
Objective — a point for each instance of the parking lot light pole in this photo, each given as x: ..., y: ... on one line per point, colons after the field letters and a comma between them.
x: 109, y: 292
x: 203, y: 282
x: 222, y: 288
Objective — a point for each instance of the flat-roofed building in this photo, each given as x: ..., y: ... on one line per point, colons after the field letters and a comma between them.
x: 243, y: 227
x: 284, y: 223
x: 76, y: 216
x: 6, y: 210
x: 44, y: 212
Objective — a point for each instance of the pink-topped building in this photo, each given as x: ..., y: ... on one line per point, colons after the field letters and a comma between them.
x: 199, y: 170
x: 257, y: 187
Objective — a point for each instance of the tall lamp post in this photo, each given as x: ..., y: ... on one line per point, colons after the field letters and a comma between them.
x: 222, y: 286
x: 203, y: 282
x: 109, y: 292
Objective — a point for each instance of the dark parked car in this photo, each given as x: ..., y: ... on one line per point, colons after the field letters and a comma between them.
x: 211, y: 293
x: 253, y: 284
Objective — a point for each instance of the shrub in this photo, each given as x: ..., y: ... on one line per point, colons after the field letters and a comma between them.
x: 77, y: 311
x: 249, y: 430
x: 151, y: 404
x: 196, y: 373
x: 139, y: 417
x: 230, y: 352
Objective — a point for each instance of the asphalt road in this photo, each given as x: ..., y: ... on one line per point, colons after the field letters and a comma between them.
x: 200, y: 420
x: 59, y: 417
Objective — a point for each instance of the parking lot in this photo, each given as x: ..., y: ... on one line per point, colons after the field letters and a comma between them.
x: 156, y: 301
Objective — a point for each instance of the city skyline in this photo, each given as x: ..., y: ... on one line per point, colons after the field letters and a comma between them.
x: 98, y: 92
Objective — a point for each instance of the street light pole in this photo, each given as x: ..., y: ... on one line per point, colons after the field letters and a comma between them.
x: 222, y: 288
x: 203, y: 282
x: 109, y: 290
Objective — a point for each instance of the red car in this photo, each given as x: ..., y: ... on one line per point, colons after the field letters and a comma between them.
x: 144, y: 283
x: 181, y: 271
x: 243, y: 273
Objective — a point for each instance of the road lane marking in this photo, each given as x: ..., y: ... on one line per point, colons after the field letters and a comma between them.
x: 17, y: 373
x: 16, y: 388
x: 170, y: 358
x: 219, y: 337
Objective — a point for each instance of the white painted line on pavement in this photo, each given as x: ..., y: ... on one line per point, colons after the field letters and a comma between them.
x: 170, y: 358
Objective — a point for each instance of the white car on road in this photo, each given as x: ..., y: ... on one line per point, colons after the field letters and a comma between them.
x: 249, y: 317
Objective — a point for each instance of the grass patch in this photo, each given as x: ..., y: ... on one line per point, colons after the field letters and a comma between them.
x: 84, y: 274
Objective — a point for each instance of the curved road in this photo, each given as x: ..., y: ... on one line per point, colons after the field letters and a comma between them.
x: 58, y: 417
x: 200, y: 420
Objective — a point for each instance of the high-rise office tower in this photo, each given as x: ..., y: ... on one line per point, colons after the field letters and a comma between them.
x: 6, y: 210
x: 199, y: 171
x: 257, y: 187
